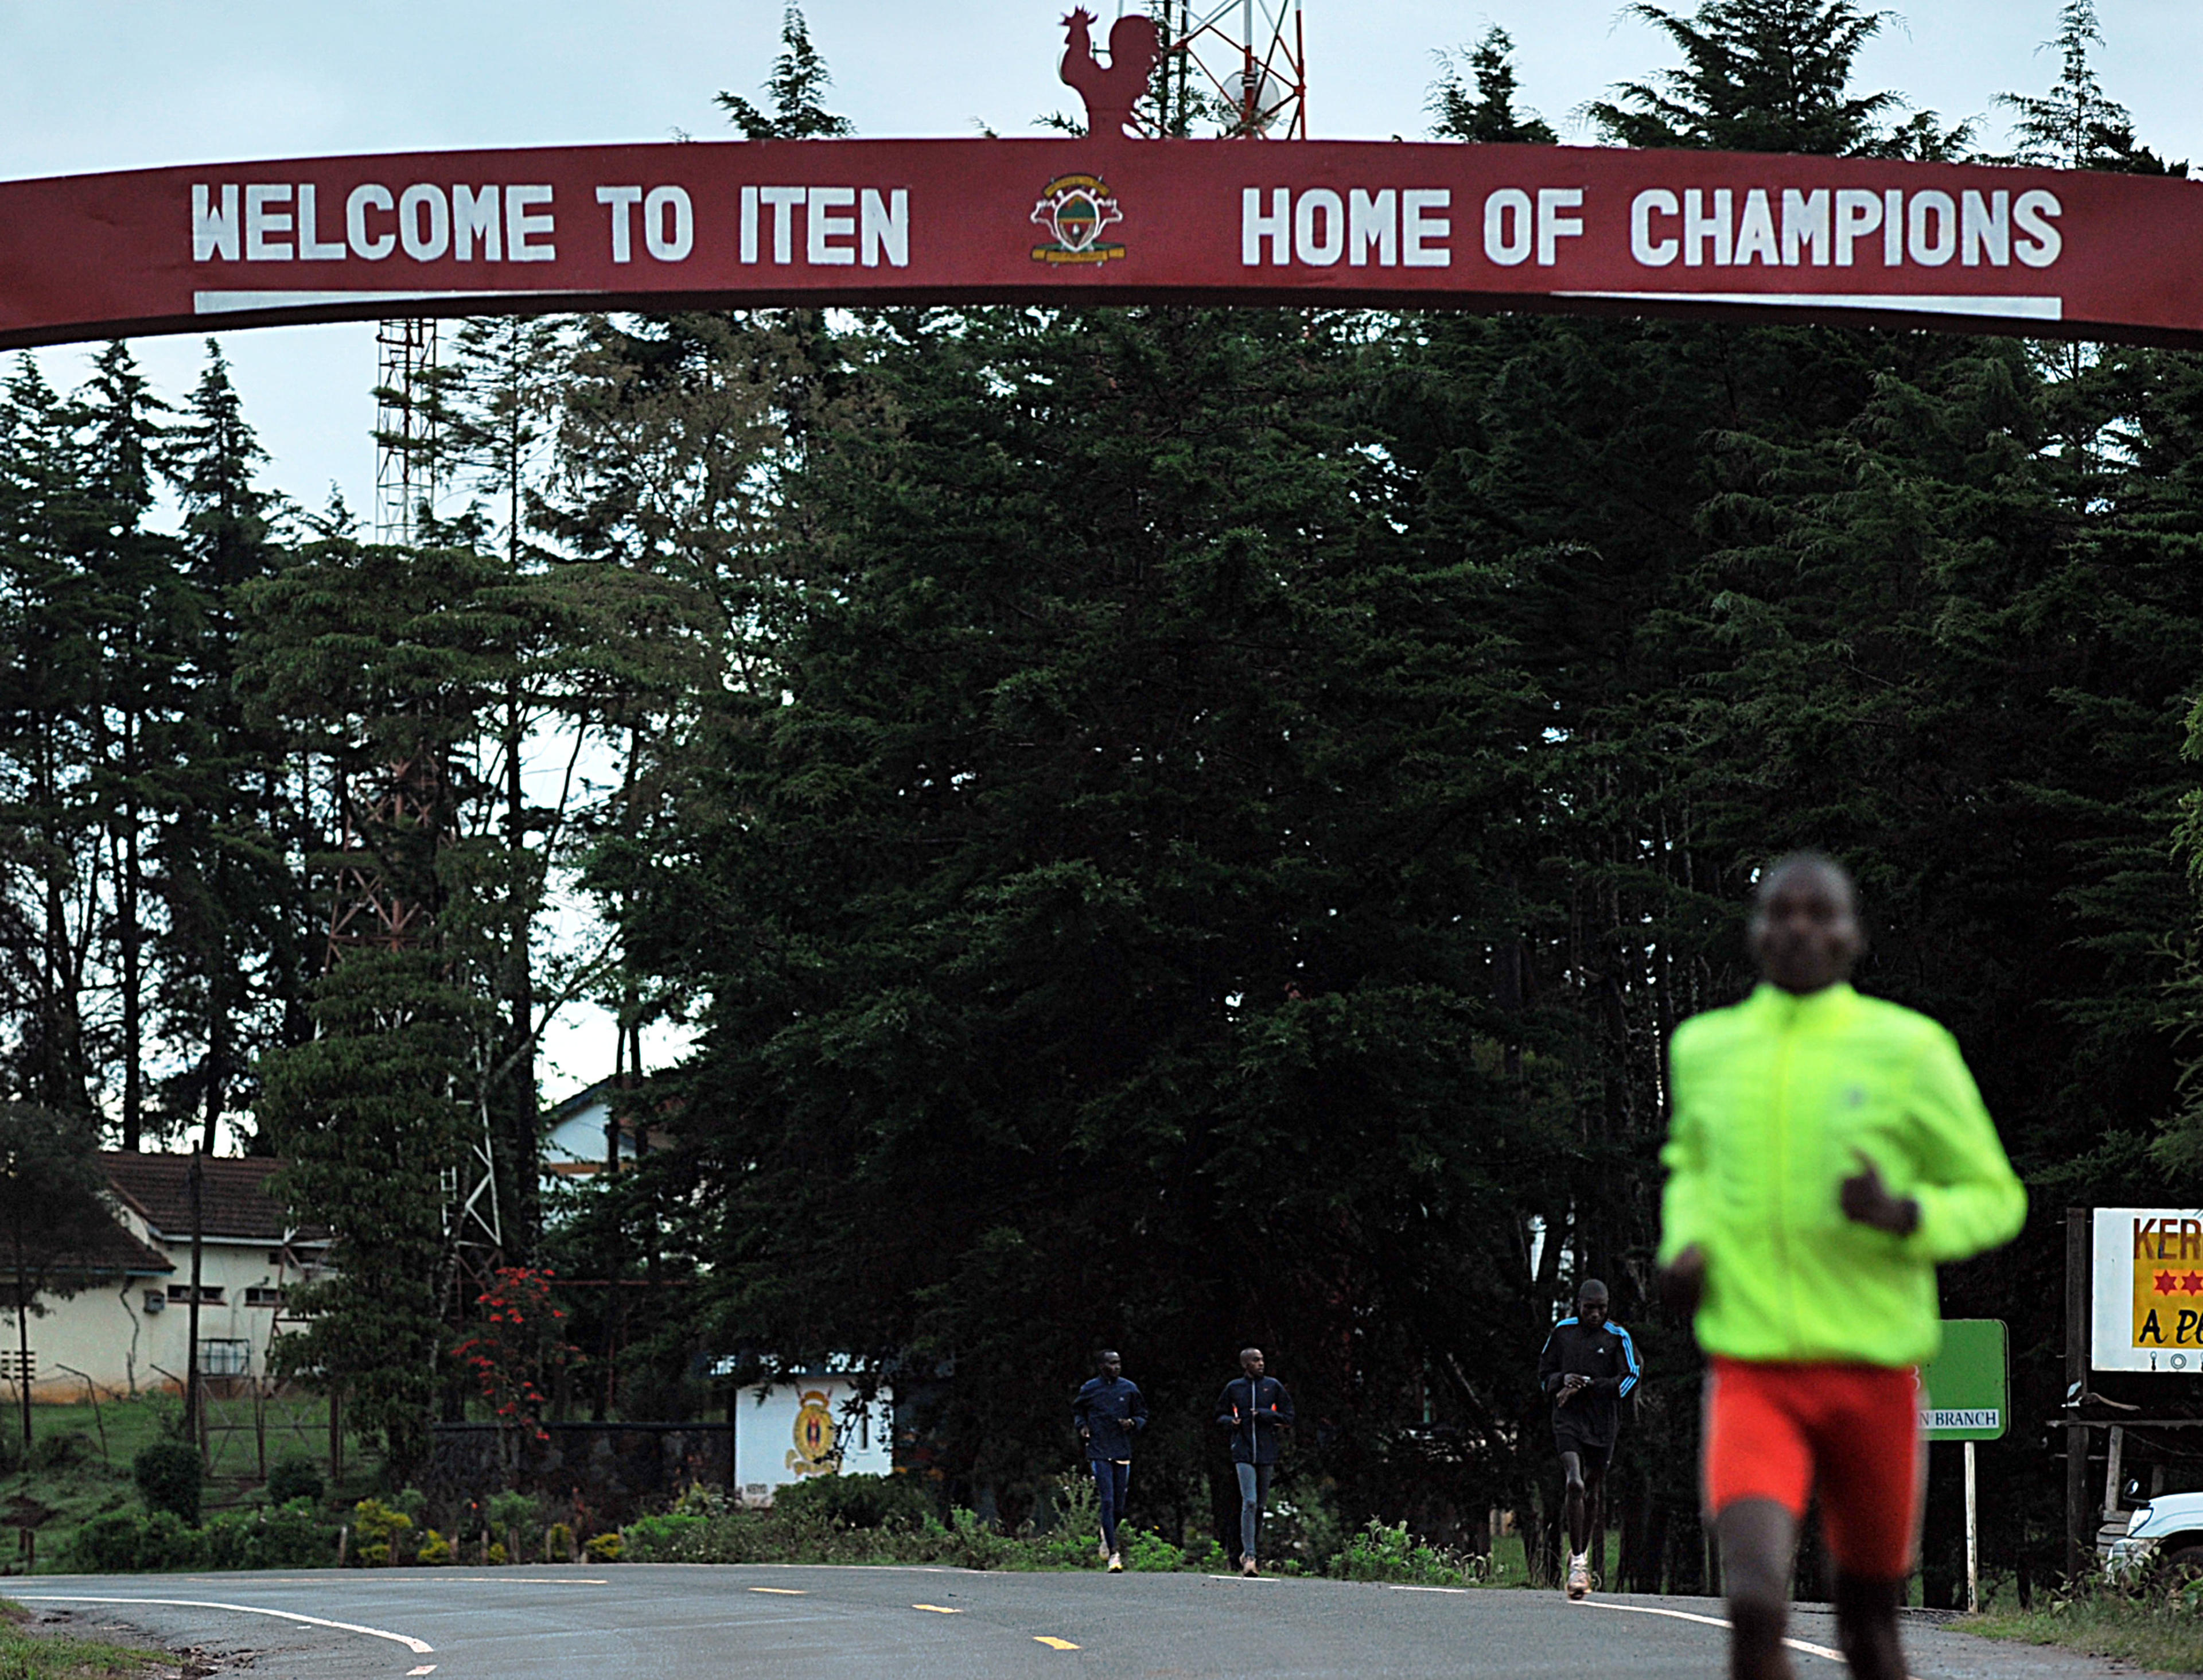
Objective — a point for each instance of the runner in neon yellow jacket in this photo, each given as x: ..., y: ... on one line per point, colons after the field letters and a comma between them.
x: 1777, y: 1101
x: 1826, y: 1151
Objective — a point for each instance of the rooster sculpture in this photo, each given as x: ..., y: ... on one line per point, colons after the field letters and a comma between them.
x: 1111, y: 90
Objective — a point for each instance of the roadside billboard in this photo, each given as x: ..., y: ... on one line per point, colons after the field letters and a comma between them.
x: 2148, y: 1290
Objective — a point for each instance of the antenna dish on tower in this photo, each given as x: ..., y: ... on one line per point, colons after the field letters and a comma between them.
x: 1245, y: 60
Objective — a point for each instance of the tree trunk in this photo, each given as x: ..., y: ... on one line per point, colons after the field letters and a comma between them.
x: 192, y: 1327
x: 132, y: 940
x: 518, y: 1108
x: 23, y: 1340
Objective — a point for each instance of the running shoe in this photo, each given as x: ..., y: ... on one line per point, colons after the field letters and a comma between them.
x: 1247, y: 1568
x: 1116, y: 1563
x: 1579, y: 1577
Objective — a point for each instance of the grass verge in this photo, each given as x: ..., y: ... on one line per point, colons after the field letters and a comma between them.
x: 78, y: 1470
x: 2153, y: 1630
x: 29, y: 1656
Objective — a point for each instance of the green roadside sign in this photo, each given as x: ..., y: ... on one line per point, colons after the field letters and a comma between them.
x: 1965, y: 1390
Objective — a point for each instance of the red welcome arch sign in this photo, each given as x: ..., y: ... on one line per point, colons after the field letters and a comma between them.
x: 2050, y: 253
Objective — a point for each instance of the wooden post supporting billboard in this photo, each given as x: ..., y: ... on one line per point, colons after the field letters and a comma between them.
x: 2079, y: 1540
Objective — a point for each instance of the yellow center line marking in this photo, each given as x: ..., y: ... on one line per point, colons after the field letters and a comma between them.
x: 785, y: 1592
x: 937, y: 1609
x: 1053, y: 1642
x: 519, y: 1580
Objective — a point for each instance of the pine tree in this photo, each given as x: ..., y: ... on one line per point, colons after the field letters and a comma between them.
x: 229, y: 895
x: 154, y: 617
x: 383, y: 664
x: 1487, y: 114
x: 2076, y: 124
x: 1118, y: 819
x: 51, y: 720
x: 798, y: 82
x: 1757, y: 75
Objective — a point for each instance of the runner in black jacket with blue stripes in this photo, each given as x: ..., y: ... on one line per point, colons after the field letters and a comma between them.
x: 1589, y: 1367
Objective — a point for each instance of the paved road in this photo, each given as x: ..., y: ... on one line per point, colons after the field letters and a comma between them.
x: 651, y: 1622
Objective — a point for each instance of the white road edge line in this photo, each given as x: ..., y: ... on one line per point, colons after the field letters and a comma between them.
x: 1397, y: 1587
x: 1833, y: 1656
x: 419, y: 1648
x: 425, y: 1668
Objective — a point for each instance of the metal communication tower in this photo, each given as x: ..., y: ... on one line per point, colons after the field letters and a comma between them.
x: 405, y: 426
x: 370, y: 911
x: 1246, y: 59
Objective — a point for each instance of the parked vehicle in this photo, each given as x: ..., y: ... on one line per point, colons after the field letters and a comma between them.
x: 2166, y: 1534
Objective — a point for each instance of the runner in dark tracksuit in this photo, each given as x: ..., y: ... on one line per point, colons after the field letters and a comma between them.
x: 1256, y: 1408
x: 1588, y: 1368
x: 1109, y: 1412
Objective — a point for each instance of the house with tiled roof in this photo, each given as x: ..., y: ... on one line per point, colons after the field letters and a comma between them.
x: 126, y: 1327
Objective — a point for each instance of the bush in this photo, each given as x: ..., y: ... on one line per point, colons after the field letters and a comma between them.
x: 859, y: 1501
x: 560, y: 1543
x: 53, y: 1452
x: 1208, y: 1556
x: 796, y: 1534
x: 377, y: 1528
x: 513, y: 1517
x: 167, y: 1475
x: 1150, y: 1551
x: 290, y: 1536
x: 106, y: 1545
x: 295, y: 1478
x: 1074, y: 1536
x: 435, y: 1549
x: 653, y: 1538
x: 604, y: 1548
x: 165, y: 1542
x: 972, y: 1544
x: 1380, y: 1553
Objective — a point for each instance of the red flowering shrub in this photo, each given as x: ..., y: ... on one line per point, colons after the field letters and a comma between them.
x: 517, y: 1346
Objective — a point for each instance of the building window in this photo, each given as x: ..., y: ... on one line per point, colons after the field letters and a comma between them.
x: 224, y: 1356
x: 259, y: 1295
x: 210, y: 1293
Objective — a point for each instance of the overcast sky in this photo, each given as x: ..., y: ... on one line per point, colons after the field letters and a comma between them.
x: 125, y: 84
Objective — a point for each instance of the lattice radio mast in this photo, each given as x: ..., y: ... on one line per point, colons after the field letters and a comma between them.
x: 1246, y: 60
x: 369, y: 911
x: 404, y: 427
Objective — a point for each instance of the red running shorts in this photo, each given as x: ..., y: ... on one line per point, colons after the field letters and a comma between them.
x: 1778, y: 1431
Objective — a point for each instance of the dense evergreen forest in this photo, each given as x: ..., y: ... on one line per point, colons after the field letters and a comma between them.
x: 1171, y: 827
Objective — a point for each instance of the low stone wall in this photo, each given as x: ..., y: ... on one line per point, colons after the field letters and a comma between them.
x: 601, y: 1474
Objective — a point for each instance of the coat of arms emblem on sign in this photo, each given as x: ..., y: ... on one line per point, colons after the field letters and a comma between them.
x: 1076, y: 209
x: 816, y: 1452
